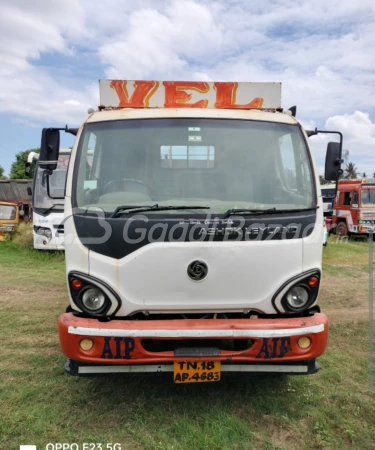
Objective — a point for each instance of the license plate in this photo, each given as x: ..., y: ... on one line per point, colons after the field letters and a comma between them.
x: 196, y: 371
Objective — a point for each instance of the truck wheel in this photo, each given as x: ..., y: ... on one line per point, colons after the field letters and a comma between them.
x: 342, y: 229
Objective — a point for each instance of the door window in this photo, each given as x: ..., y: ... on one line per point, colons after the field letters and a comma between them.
x: 347, y: 198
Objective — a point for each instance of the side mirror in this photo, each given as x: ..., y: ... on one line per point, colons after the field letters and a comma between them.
x: 333, y: 162
x: 21, y: 212
x: 49, y: 149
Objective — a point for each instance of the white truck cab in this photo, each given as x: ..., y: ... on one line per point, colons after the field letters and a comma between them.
x: 194, y: 228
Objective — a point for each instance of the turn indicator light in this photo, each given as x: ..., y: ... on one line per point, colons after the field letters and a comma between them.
x: 313, y: 282
x: 76, y: 284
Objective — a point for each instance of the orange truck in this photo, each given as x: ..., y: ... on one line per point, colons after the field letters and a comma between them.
x: 11, y: 214
x: 15, y: 205
x: 354, y: 207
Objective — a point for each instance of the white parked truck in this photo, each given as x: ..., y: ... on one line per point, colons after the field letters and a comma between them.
x: 48, y: 202
x: 194, y: 228
x: 328, y: 195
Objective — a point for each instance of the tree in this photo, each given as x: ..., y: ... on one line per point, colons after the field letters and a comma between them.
x: 350, y: 171
x: 364, y: 175
x: 17, y: 169
x: 1, y: 172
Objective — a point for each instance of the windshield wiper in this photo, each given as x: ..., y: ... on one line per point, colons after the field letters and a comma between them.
x: 137, y: 209
x: 51, y: 208
x: 126, y: 207
x: 255, y: 212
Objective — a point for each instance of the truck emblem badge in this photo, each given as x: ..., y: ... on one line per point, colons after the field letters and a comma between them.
x: 197, y: 270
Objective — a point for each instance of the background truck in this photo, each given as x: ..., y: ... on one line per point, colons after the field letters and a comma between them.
x: 354, y: 207
x: 195, y: 224
x: 15, y: 205
x: 48, y: 202
x: 328, y: 195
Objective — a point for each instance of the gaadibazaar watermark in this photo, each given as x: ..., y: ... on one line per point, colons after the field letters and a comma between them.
x: 75, y: 446
x: 141, y: 228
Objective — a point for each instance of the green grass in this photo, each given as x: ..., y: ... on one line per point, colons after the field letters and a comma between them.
x: 41, y: 404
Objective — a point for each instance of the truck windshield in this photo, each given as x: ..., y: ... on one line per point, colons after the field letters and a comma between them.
x: 328, y: 194
x: 42, y: 200
x: 368, y: 197
x: 215, y: 163
x: 7, y: 212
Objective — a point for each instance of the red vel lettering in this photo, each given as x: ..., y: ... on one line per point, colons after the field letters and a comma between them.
x: 143, y: 90
x: 226, y: 97
x: 177, y: 97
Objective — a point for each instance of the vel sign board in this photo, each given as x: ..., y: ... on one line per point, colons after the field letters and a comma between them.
x: 189, y: 94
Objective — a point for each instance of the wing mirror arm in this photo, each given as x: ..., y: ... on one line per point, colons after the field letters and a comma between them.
x: 333, y: 169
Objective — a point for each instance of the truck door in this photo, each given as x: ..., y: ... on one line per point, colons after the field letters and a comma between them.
x: 344, y: 222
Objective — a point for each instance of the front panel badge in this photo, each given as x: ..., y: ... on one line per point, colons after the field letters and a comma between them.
x: 197, y: 270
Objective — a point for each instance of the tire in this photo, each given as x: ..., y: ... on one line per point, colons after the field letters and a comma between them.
x: 342, y: 229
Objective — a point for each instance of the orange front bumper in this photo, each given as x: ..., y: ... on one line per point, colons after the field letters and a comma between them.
x: 122, y: 342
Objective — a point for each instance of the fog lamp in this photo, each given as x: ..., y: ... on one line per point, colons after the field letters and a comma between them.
x: 304, y: 342
x: 86, y: 344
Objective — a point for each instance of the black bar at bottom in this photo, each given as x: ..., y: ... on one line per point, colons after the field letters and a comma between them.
x: 72, y: 368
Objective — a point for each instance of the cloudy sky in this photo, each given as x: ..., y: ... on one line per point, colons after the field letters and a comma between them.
x: 52, y: 53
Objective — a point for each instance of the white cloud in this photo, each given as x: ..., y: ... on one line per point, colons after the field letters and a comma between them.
x: 158, y: 45
x: 357, y: 128
x: 34, y: 94
x: 358, y: 138
x: 321, y: 53
x: 28, y: 30
x: 35, y: 27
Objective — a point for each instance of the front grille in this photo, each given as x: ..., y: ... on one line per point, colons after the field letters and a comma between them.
x: 185, y: 345
x: 59, y: 228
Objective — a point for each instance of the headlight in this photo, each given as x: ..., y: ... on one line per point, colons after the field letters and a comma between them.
x: 9, y: 228
x: 298, y: 294
x: 39, y: 230
x: 93, y: 299
x: 43, y: 231
x: 92, y: 296
x: 297, y: 297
